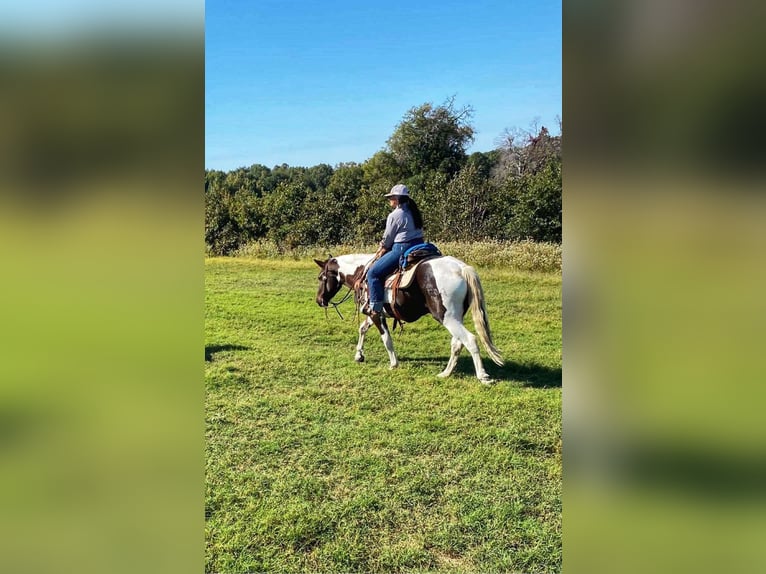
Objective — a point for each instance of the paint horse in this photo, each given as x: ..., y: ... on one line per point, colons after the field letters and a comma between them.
x: 445, y: 287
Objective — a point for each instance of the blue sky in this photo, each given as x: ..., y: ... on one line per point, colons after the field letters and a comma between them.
x: 309, y: 82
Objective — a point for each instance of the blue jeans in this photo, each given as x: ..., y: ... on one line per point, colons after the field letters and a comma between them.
x: 382, y: 268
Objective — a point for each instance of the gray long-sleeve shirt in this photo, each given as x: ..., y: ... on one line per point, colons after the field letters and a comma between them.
x: 400, y: 227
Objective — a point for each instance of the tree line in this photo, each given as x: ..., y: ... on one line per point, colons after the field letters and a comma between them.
x: 510, y: 193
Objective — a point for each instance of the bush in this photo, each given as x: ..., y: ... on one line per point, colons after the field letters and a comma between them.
x: 519, y: 255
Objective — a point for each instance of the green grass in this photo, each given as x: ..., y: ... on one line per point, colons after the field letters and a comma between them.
x: 318, y: 464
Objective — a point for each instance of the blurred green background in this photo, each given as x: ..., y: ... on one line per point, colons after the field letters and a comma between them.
x: 101, y: 156
x: 664, y: 276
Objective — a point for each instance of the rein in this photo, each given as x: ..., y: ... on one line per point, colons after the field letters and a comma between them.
x: 335, y: 305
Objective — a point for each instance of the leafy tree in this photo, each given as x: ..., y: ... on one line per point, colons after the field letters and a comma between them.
x: 274, y: 177
x: 432, y: 138
x: 318, y: 177
x: 258, y: 174
x: 528, y: 179
x: 222, y: 232
x: 218, y: 224
x: 282, y: 209
x: 245, y: 210
x: 379, y: 174
x: 232, y: 214
x: 468, y: 204
x: 484, y: 162
x: 338, y: 208
x: 537, y: 205
x: 429, y: 192
x: 327, y: 214
x: 522, y: 152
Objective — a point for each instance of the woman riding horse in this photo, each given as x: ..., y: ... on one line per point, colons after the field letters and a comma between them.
x: 445, y: 287
x: 404, y: 228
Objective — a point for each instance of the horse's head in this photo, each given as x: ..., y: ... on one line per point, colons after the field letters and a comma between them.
x: 330, y: 281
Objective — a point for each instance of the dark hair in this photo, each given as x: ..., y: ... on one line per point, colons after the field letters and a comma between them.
x: 416, y: 215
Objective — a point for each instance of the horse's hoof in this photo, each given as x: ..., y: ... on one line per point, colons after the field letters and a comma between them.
x: 359, y: 358
x: 487, y: 381
x: 392, y: 367
x: 443, y: 375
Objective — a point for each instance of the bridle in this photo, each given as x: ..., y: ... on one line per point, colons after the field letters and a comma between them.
x: 345, y: 298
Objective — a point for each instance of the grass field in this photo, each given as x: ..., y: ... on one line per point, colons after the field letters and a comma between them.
x: 315, y: 463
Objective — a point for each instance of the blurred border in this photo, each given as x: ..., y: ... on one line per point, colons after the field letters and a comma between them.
x: 101, y: 218
x: 664, y: 214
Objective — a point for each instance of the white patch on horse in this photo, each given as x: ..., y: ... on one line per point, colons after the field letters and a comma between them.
x: 348, y: 264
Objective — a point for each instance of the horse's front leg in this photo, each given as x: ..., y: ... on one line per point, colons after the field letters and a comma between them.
x: 388, y: 341
x: 366, y: 324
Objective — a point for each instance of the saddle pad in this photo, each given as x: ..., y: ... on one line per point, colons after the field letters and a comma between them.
x: 407, y: 276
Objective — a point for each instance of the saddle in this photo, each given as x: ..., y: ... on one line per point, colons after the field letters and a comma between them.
x: 408, y: 264
x: 419, y: 252
x: 402, y: 278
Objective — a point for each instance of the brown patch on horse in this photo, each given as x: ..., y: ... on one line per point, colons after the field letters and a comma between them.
x: 432, y: 298
x: 420, y: 298
x: 330, y: 281
x: 333, y: 268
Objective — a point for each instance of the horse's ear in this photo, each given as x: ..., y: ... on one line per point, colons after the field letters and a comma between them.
x: 320, y: 263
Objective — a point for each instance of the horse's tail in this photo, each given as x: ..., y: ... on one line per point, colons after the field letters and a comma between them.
x: 479, y: 312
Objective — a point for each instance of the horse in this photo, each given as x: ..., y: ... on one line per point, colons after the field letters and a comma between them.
x: 444, y: 286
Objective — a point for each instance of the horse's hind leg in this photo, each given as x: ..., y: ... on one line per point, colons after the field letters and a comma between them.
x: 366, y: 324
x: 456, y: 347
x: 463, y: 335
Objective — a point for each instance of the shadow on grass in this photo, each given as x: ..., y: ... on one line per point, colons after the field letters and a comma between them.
x: 211, y: 349
x: 536, y: 376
